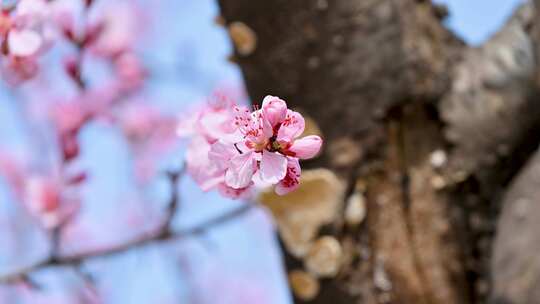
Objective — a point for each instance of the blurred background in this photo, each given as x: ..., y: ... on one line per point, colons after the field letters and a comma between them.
x: 186, y: 55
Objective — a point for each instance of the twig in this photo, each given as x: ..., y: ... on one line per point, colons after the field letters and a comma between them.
x: 88, y: 279
x: 174, y: 177
x: 144, y: 240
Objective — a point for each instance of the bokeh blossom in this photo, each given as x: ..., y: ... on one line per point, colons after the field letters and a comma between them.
x: 50, y: 199
x: 26, y: 31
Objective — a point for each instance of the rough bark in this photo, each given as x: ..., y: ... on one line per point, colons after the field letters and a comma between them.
x: 536, y: 38
x: 436, y: 130
x: 489, y: 109
x: 516, y: 265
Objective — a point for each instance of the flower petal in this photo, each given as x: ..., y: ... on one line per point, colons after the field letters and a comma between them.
x: 232, y: 193
x: 199, y: 167
x: 292, y: 179
x: 186, y: 126
x: 220, y: 153
x: 216, y: 124
x: 274, y: 109
x: 24, y: 43
x: 273, y: 167
x: 240, y: 171
x: 306, y: 147
x: 292, y: 127
x: 267, y: 128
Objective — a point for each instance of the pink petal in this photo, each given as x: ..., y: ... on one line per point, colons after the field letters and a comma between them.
x: 24, y: 43
x: 306, y: 147
x: 267, y: 127
x: 220, y: 153
x: 232, y: 193
x: 215, y: 125
x: 292, y: 179
x: 240, y: 171
x: 273, y: 167
x: 32, y: 8
x: 199, y: 167
x: 211, y: 181
x: 292, y: 127
x: 274, y: 109
x: 197, y: 151
x: 42, y: 195
x: 120, y: 30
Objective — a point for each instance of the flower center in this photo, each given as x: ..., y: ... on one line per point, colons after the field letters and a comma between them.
x: 257, y: 146
x: 275, y: 146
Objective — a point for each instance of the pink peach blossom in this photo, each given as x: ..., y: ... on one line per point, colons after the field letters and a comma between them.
x: 207, y: 167
x: 292, y: 178
x: 24, y: 42
x: 130, y: 70
x: 119, y: 28
x: 207, y: 175
x: 139, y: 120
x: 237, y: 149
x: 31, y: 29
x: 25, y: 32
x: 269, y: 147
x: 69, y: 115
x: 46, y: 198
x: 16, y: 70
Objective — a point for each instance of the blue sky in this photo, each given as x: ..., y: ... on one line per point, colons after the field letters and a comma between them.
x: 475, y: 20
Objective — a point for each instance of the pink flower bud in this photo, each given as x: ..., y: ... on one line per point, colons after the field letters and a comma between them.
x: 43, y: 199
x: 306, y: 147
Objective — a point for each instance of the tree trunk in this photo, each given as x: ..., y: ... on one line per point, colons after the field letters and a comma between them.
x: 432, y: 129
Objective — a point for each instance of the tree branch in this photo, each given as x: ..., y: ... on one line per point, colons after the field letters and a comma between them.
x: 174, y: 177
x: 163, y: 234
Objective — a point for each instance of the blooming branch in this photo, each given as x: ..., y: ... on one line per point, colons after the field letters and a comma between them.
x: 232, y: 149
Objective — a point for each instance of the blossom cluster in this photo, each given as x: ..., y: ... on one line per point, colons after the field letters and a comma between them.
x: 234, y: 149
x: 28, y: 28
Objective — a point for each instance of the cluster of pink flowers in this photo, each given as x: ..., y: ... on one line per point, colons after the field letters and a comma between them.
x: 109, y: 36
x: 27, y: 29
x: 234, y: 149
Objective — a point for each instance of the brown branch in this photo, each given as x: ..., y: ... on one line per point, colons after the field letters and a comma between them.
x: 174, y: 177
x: 163, y: 233
x: 158, y: 236
x: 88, y: 280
